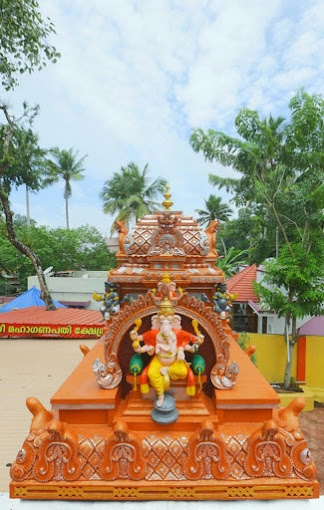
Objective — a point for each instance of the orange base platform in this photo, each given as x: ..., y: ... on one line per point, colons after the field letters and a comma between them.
x: 263, y: 488
x: 96, y: 445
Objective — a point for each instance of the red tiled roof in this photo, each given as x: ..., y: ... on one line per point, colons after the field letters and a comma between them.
x: 39, y: 315
x: 242, y: 284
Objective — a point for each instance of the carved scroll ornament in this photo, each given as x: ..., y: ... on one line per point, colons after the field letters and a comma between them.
x: 123, y: 458
x: 207, y: 456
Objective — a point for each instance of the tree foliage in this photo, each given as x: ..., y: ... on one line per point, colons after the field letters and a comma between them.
x: 24, y: 40
x: 65, y: 166
x: 82, y: 248
x: 281, y: 168
x: 129, y: 195
x: 18, y: 166
x: 24, y: 47
x: 214, y: 210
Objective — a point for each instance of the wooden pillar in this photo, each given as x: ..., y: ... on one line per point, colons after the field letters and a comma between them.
x: 301, y: 359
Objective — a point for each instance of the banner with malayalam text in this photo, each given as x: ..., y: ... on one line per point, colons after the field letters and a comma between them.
x: 49, y: 331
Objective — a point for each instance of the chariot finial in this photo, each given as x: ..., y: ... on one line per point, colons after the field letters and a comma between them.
x: 167, y: 202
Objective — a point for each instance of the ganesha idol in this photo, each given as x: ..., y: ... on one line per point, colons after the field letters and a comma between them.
x: 167, y: 343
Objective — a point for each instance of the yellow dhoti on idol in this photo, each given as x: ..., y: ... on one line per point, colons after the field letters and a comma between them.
x: 161, y: 383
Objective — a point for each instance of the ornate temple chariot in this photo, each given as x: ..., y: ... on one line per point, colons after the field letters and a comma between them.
x: 166, y: 405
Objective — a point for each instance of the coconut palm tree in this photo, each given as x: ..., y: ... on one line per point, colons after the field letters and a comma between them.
x: 65, y: 166
x: 129, y: 194
x: 215, y: 210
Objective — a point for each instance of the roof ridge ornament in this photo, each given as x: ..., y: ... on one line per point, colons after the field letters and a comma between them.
x: 167, y: 203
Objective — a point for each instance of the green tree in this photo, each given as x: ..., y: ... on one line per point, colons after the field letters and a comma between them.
x: 129, y: 194
x: 83, y: 248
x: 33, y: 157
x: 67, y: 167
x: 23, y: 40
x: 24, y: 47
x: 293, y: 288
x: 252, y: 232
x: 230, y: 262
x: 16, y: 169
x: 281, y: 167
x: 214, y: 210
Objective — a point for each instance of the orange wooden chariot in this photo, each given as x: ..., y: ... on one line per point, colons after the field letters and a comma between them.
x: 229, y: 439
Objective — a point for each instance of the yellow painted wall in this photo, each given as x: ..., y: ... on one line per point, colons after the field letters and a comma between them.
x: 315, y: 361
x: 271, y: 356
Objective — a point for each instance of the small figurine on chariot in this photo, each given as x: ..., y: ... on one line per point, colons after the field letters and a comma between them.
x: 110, y: 300
x: 167, y: 288
x: 222, y: 300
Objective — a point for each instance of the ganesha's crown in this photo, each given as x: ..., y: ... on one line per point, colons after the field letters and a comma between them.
x: 166, y: 308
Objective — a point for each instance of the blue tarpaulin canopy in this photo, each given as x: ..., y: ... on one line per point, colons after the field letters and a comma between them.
x: 29, y: 298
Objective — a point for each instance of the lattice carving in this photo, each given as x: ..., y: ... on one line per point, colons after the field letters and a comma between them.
x: 164, y: 492
x: 165, y: 457
x: 122, y: 457
x: 206, y: 455
x: 171, y: 235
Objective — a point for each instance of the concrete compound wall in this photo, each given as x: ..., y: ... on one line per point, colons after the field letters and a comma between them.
x: 315, y: 361
x: 271, y: 357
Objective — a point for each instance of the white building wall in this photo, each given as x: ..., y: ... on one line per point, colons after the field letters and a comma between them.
x: 276, y: 325
x: 75, y: 288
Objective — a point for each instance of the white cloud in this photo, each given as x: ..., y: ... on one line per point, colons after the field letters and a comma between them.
x: 136, y: 76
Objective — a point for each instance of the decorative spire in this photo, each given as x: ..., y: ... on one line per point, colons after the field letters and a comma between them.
x: 167, y: 202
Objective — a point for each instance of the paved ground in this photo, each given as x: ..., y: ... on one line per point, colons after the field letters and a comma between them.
x: 38, y: 367
x: 312, y: 425
x: 29, y: 368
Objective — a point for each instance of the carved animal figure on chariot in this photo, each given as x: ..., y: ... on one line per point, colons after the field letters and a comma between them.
x: 211, y: 236
x: 120, y: 227
x: 167, y: 343
x: 110, y: 300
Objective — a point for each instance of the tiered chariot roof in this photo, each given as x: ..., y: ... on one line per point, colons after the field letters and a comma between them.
x: 167, y: 241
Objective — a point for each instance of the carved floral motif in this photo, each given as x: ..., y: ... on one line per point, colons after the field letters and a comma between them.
x: 266, y: 454
x: 122, y: 457
x: 206, y: 455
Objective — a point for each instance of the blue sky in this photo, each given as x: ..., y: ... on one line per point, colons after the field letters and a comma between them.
x: 135, y: 77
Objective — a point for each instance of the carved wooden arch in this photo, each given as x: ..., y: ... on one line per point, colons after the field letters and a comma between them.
x: 222, y: 376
